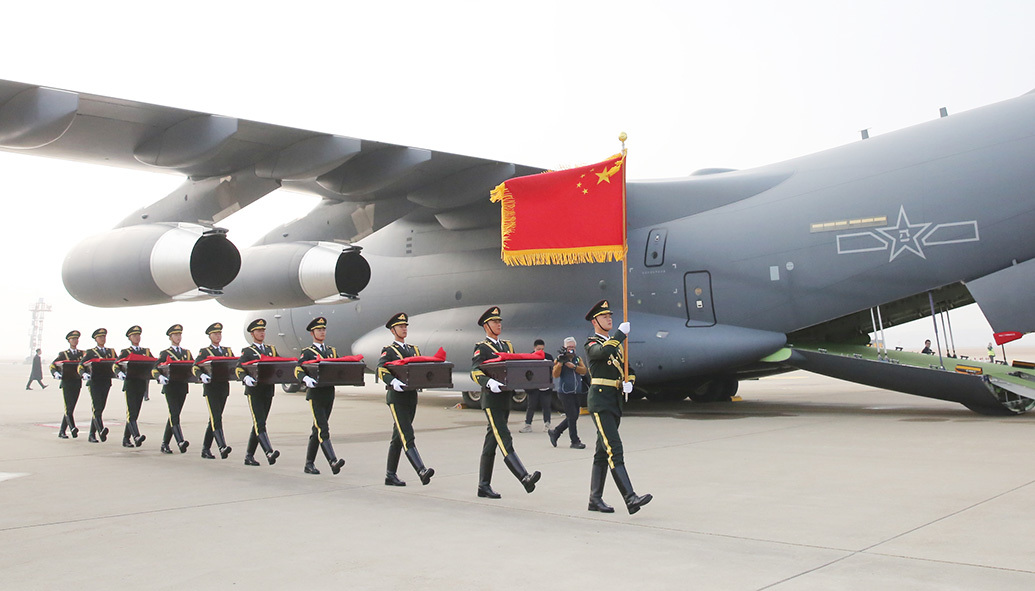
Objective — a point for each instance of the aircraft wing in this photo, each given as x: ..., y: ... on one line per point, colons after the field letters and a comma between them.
x: 242, y: 160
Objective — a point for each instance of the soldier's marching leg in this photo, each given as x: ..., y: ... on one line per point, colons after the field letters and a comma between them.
x: 64, y: 425
x: 394, y: 451
x: 632, y: 501
x: 71, y: 421
x: 249, y: 453
x: 93, y: 430
x: 488, y: 459
x: 166, y: 438
x: 126, y: 433
x: 423, y: 472
x: 138, y: 439
x: 596, y: 489
x: 310, y: 455
x: 180, y: 441
x: 224, y: 449
x: 518, y: 470
x: 267, y: 448
x: 206, y: 444
x: 328, y: 451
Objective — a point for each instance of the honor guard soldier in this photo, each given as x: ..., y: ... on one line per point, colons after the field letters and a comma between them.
x: 69, y: 386
x: 496, y: 404
x: 215, y: 393
x: 260, y: 397
x: 135, y: 389
x: 402, y: 401
x: 607, y: 391
x: 98, y: 386
x: 321, y: 399
x: 175, y: 391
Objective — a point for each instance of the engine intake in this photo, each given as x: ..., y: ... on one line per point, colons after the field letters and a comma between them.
x: 150, y: 264
x: 293, y: 274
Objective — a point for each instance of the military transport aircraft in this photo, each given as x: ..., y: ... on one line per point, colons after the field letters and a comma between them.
x: 733, y: 274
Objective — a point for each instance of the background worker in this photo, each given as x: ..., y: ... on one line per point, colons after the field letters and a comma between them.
x: 568, y: 370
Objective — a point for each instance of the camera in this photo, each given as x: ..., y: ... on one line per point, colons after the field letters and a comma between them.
x: 565, y: 356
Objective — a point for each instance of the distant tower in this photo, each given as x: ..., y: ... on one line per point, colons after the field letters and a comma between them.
x: 36, y: 334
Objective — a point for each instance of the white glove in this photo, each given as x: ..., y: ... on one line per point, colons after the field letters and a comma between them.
x: 86, y: 376
x: 624, y: 327
x: 248, y: 381
x: 627, y: 387
x: 121, y: 375
x: 162, y: 379
x: 494, y: 386
x: 56, y: 375
x: 309, y: 382
x: 205, y: 378
x: 398, y: 385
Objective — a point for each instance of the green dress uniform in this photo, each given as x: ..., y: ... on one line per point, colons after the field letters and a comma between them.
x: 215, y: 393
x: 136, y: 392
x: 321, y: 403
x: 606, y: 357
x: 260, y: 399
x: 497, y: 411
x: 175, y: 395
x: 98, y: 387
x: 403, y: 405
x: 70, y: 387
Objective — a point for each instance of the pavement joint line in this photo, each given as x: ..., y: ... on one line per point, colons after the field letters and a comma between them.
x: 867, y: 549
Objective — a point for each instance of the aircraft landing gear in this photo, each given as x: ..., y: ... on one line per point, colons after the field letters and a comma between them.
x: 717, y: 390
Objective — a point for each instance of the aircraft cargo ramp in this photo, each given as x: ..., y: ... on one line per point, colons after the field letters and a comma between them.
x: 986, y: 388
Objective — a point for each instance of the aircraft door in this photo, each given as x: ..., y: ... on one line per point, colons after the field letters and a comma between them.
x: 655, y: 254
x: 697, y: 285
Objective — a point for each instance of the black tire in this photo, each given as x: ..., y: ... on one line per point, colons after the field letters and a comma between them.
x: 717, y: 390
x: 293, y: 388
x: 473, y: 399
x: 519, y: 401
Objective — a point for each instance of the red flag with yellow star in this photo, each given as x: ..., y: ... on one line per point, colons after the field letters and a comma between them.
x: 565, y: 217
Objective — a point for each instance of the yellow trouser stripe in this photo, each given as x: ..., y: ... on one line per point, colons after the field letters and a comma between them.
x: 492, y: 423
x: 607, y: 444
x: 398, y: 426
x: 211, y: 414
x: 319, y: 434
x: 255, y: 421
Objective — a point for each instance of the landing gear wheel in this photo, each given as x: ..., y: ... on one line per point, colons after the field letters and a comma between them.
x: 292, y: 388
x: 473, y: 399
x: 717, y: 390
x: 519, y: 401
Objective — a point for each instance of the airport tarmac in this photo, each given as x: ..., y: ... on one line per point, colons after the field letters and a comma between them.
x: 808, y: 483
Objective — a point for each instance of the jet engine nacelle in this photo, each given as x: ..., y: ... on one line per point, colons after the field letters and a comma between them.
x: 150, y: 264
x: 293, y: 274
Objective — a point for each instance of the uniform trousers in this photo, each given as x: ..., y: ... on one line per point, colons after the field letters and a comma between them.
x: 260, y: 403
x: 99, y: 399
x: 609, y: 443
x: 321, y: 402
x: 571, y: 416
x: 497, y: 434
x: 216, y: 395
x: 70, y: 392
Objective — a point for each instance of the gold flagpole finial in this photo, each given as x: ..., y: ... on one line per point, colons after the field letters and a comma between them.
x: 622, y: 137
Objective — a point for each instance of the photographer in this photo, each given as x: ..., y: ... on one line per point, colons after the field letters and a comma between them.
x: 567, y: 373
x: 537, y: 397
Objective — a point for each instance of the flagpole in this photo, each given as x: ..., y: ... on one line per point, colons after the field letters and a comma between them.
x: 625, y: 256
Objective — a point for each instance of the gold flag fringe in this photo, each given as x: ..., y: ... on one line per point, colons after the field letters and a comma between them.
x: 508, y: 219
x: 564, y: 256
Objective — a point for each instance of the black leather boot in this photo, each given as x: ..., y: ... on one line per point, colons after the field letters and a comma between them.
x: 206, y: 445
x: 224, y: 449
x: 328, y: 451
x: 424, y: 473
x: 93, y: 430
x: 596, y: 490
x: 518, y: 470
x: 180, y: 441
x: 64, y: 425
x: 267, y: 448
x: 310, y: 456
x: 632, y: 501
x: 166, y: 438
x: 102, y: 431
x: 485, y: 477
x: 71, y: 423
x: 249, y: 454
x: 391, y: 476
x: 138, y: 439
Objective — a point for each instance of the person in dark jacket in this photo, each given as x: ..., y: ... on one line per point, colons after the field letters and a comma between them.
x: 36, y: 373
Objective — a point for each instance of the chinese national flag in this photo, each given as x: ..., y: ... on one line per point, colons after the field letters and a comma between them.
x: 565, y: 217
